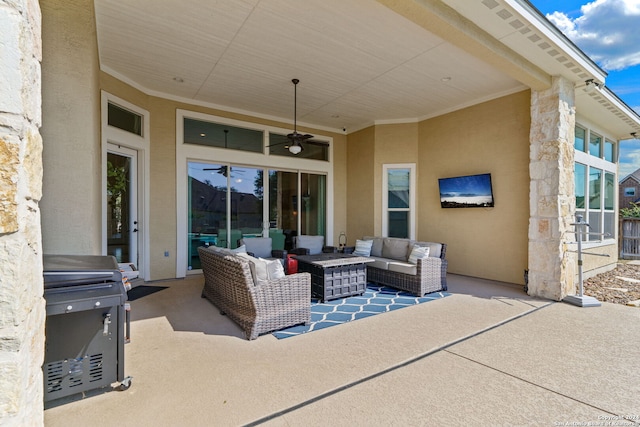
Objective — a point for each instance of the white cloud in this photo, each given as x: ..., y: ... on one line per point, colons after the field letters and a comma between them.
x: 629, y: 160
x: 607, y: 31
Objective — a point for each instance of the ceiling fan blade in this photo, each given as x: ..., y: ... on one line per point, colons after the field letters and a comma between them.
x: 278, y: 143
x: 320, y: 143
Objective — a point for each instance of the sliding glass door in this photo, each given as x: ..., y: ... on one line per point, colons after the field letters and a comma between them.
x: 227, y: 203
x: 313, y: 204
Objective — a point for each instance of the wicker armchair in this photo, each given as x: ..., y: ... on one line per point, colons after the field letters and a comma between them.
x: 258, y: 308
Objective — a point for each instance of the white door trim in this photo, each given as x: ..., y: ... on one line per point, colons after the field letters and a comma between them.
x: 140, y: 144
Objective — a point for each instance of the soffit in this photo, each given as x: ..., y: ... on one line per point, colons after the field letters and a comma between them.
x: 358, y: 62
x: 519, y: 26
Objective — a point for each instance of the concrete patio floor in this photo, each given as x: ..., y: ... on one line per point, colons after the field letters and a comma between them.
x: 487, y: 355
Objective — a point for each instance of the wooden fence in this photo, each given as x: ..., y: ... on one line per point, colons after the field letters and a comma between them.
x: 629, y: 238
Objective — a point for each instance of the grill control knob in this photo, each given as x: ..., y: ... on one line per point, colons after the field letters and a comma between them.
x: 69, y: 307
x: 97, y: 304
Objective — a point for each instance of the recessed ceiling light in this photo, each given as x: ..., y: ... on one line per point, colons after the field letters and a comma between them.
x: 178, y: 79
x: 203, y: 135
x: 446, y: 79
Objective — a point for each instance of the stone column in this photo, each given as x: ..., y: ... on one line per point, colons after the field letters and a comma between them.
x: 552, y: 193
x: 22, y: 307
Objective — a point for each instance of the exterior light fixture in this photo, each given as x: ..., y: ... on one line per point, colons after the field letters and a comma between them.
x: 591, y: 85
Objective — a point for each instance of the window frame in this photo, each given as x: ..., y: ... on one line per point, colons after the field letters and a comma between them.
x: 605, y: 167
x: 412, y: 197
x: 186, y: 153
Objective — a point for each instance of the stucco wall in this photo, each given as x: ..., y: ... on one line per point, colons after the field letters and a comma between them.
x: 361, y: 187
x: 70, y: 128
x: 490, y: 137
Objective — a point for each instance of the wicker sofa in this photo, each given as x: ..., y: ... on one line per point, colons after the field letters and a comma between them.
x: 257, y: 306
x: 392, y: 267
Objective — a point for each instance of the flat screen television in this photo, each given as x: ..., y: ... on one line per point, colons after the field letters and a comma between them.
x: 471, y: 191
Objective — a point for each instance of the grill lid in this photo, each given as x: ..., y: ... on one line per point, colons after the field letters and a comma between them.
x: 72, y: 270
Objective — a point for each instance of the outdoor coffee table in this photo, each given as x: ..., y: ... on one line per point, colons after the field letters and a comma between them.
x: 335, y: 275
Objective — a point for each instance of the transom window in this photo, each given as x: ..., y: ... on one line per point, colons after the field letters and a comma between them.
x: 212, y: 134
x: 124, y: 119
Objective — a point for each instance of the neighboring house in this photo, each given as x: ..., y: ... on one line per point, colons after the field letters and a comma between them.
x: 401, y: 92
x: 629, y: 190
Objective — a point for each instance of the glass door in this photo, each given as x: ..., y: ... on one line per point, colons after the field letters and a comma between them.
x: 313, y: 204
x: 283, y: 207
x: 122, y: 205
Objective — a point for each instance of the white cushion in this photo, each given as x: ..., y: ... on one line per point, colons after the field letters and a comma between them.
x: 313, y: 243
x: 403, y: 267
x: 395, y: 248
x: 259, y: 246
x: 240, y: 250
x: 363, y: 248
x: 418, y: 252
x: 274, y: 269
x: 253, y: 262
x: 381, y: 263
x: 435, y: 249
x: 376, y: 248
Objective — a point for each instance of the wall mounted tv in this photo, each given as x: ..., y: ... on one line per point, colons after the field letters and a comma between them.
x: 472, y: 191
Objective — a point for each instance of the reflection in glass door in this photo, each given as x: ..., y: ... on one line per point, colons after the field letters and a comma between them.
x: 122, y: 225
x: 225, y: 205
x: 283, y: 208
x: 313, y: 204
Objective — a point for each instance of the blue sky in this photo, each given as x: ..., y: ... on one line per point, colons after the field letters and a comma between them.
x: 609, y: 32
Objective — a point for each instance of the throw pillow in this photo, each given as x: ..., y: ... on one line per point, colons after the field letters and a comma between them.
x: 252, y: 266
x: 363, y: 247
x: 274, y: 269
x: 395, y: 248
x: 313, y: 243
x: 240, y: 250
x: 418, y: 252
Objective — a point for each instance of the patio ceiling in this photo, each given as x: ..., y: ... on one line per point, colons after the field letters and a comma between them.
x: 359, y: 62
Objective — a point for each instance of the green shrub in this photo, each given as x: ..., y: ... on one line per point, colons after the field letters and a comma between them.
x: 631, y: 212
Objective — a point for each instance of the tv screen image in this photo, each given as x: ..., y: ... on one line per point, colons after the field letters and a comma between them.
x: 472, y: 191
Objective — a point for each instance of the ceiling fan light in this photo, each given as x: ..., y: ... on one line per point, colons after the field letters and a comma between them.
x: 295, y: 149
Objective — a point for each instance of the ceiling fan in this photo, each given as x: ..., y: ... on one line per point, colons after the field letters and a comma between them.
x: 296, y: 139
x: 223, y: 170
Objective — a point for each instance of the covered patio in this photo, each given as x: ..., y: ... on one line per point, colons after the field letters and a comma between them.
x: 487, y: 354
x: 432, y: 88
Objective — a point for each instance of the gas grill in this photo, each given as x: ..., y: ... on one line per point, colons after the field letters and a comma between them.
x: 87, y: 324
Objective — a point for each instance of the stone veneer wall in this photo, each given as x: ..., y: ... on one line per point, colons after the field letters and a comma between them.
x: 22, y: 308
x: 552, y: 200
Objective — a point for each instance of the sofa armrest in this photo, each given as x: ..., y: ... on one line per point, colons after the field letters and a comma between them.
x: 275, y: 293
x: 279, y: 253
x: 432, y: 266
x: 299, y: 251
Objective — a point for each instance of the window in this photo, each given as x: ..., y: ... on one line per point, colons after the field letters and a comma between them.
x: 595, y: 144
x: 399, y: 201
x: 609, y: 151
x: 202, y: 132
x: 311, y: 148
x: 231, y: 185
x: 579, y: 138
x: 629, y: 192
x: 124, y: 119
x: 595, y: 174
